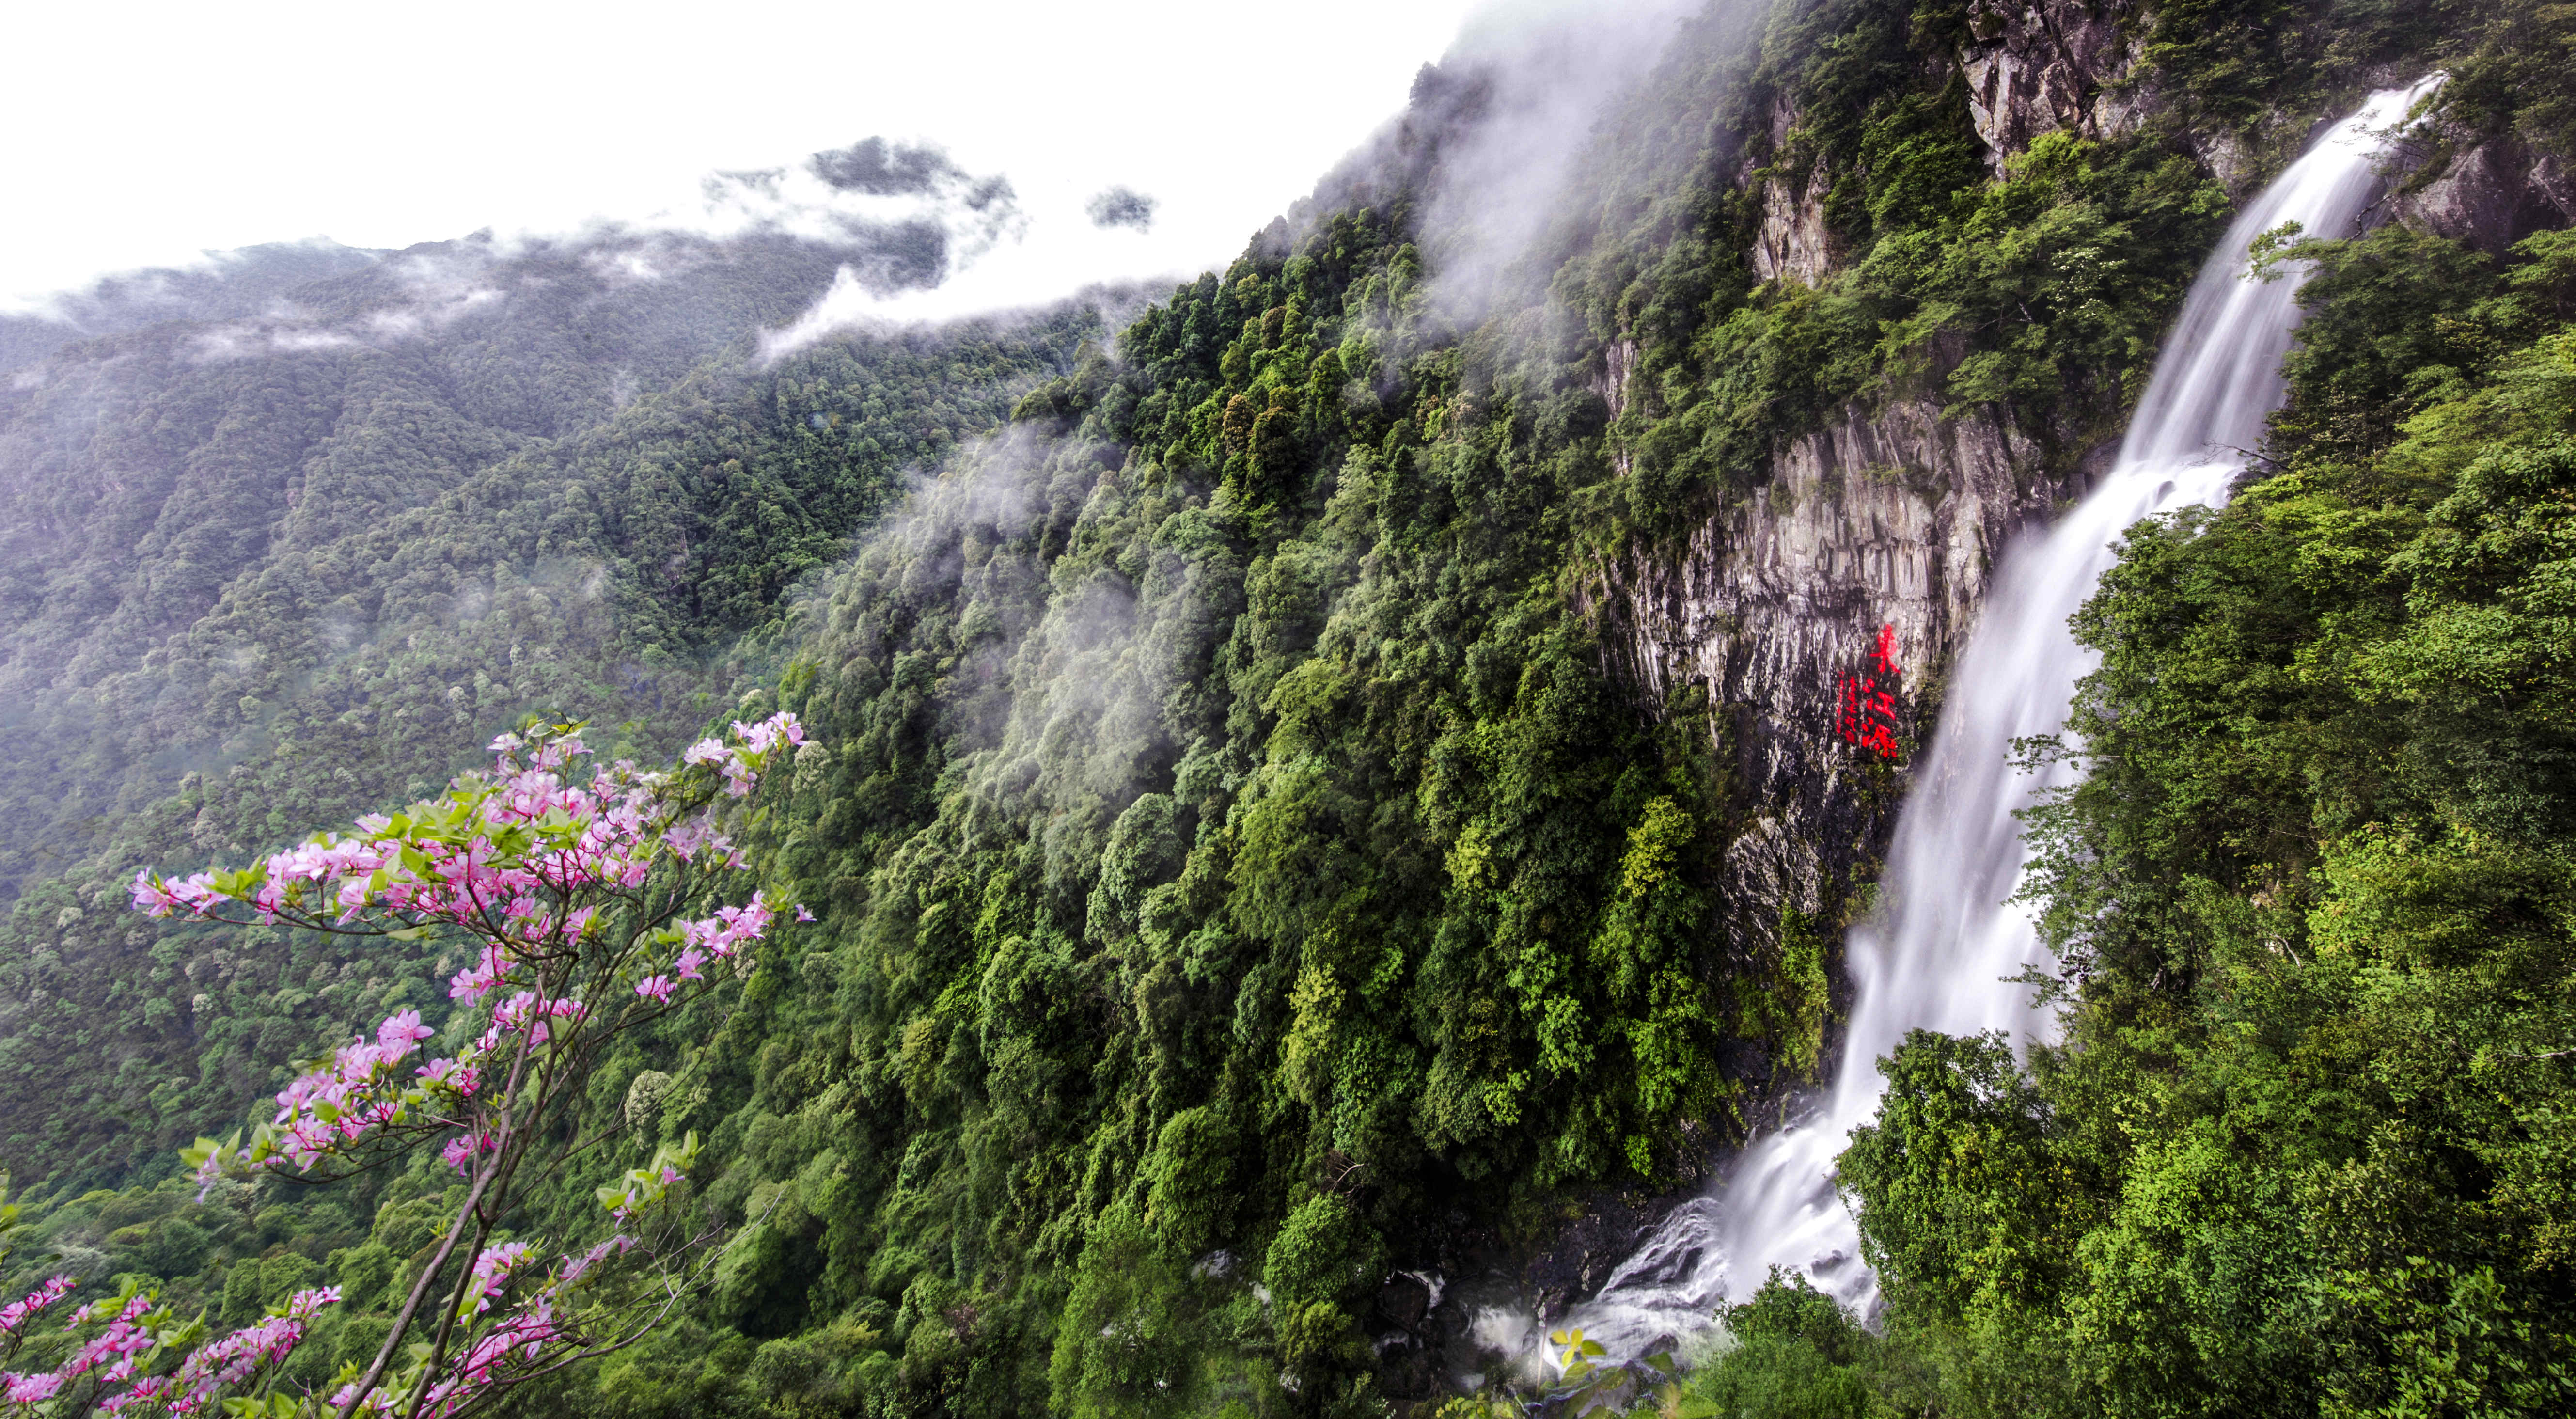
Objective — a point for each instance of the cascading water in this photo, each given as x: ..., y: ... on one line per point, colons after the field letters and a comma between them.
x: 1945, y: 945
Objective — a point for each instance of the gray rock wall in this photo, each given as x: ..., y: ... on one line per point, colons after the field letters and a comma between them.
x: 2489, y: 193
x: 2040, y: 66
x: 1888, y: 520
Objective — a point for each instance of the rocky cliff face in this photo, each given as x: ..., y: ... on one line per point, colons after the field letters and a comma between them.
x: 2046, y: 65
x: 1857, y: 570
x: 1792, y: 243
x: 2489, y: 192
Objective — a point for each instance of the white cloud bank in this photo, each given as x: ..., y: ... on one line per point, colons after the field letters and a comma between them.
x: 142, y: 135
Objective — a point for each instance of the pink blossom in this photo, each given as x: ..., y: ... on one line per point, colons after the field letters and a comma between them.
x: 575, y: 1267
x: 555, y: 753
x: 156, y: 896
x: 725, y: 933
x: 399, y: 1033
x: 30, y: 1389
x: 780, y: 728
x: 232, y: 1360
x: 152, y: 897
x: 18, y: 1313
x: 473, y: 983
x: 322, y: 859
x: 698, y: 835
x: 526, y: 860
x: 460, y: 1151
x: 451, y: 1073
x: 493, y: 1269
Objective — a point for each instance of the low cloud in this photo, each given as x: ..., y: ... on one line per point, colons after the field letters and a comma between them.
x: 1121, y: 207
x: 875, y: 193
x: 849, y: 306
x: 1500, y: 139
x: 852, y: 307
x: 893, y: 218
x: 882, y: 169
x: 1537, y: 81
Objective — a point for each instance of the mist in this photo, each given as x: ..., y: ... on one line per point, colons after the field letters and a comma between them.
x: 1534, y: 82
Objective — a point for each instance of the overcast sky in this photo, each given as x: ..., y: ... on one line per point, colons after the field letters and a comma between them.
x: 140, y: 135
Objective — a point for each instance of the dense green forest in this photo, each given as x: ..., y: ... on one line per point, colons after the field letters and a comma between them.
x: 1241, y: 879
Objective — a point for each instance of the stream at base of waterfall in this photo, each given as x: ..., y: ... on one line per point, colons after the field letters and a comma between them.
x: 1944, y: 947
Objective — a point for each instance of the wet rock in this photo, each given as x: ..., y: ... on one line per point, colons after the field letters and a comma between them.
x: 1403, y: 1302
x: 1616, y: 384
x: 1582, y: 1253
x: 1446, y: 1325
x: 2488, y: 194
x: 2225, y: 154
x: 1410, y: 1375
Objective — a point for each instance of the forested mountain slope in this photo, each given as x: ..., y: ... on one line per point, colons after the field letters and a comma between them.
x: 1360, y: 764
x: 263, y: 571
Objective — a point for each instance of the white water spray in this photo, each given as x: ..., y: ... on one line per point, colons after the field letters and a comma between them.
x: 1945, y: 945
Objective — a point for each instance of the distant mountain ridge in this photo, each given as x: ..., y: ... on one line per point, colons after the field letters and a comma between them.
x: 227, y: 286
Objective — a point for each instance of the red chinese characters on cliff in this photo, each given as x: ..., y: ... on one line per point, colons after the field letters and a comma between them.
x: 1865, y: 705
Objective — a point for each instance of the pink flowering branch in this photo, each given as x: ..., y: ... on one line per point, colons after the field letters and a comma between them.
x: 17, y: 1315
x: 126, y: 1346
x: 577, y: 899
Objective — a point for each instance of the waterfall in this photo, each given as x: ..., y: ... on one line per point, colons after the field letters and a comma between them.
x: 1944, y: 944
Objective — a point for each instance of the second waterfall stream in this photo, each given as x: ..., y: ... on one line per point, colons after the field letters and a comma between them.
x: 1944, y: 946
